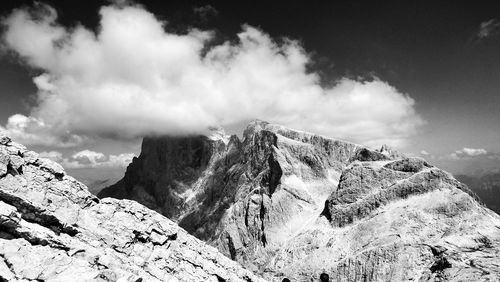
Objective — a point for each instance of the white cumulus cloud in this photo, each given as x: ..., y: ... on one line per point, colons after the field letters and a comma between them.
x: 468, y: 152
x: 89, y: 159
x: 53, y: 155
x: 132, y: 78
x: 424, y: 153
x: 33, y: 130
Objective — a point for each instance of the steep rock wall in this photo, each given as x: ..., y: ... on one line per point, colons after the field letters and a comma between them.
x: 286, y: 203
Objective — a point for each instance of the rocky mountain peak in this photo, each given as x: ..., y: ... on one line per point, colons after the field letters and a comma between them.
x: 218, y: 133
x: 287, y: 203
x: 391, y: 152
x: 253, y: 127
x: 281, y: 202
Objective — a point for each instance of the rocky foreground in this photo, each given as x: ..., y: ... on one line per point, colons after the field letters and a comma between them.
x: 53, y: 229
x: 286, y: 203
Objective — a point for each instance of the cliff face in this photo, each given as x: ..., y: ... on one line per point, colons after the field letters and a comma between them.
x: 242, y: 196
x: 161, y: 177
x: 286, y: 203
x: 53, y: 229
x: 186, y: 179
x: 397, y: 220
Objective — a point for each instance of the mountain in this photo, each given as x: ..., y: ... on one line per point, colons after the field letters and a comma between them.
x: 53, y: 229
x: 286, y: 203
x: 486, y: 186
x: 96, y: 179
x: 96, y: 185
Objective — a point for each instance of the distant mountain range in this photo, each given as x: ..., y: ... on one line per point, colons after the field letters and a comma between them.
x: 97, y: 179
x: 95, y: 186
x: 486, y: 186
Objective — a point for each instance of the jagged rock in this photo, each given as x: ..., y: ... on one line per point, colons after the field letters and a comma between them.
x: 4, y: 161
x: 385, y: 224
x: 4, y: 140
x: 408, y: 165
x: 53, y: 229
x: 50, y: 166
x: 391, y: 153
x: 170, y: 173
x: 286, y: 203
x: 364, y: 154
x: 244, y: 196
x: 366, y: 187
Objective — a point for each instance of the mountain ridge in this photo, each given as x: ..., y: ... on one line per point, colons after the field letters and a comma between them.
x: 276, y: 187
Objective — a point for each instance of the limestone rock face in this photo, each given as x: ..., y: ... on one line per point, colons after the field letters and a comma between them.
x: 53, y: 229
x: 242, y: 196
x: 247, y: 197
x: 186, y: 179
x: 286, y: 203
x: 401, y: 220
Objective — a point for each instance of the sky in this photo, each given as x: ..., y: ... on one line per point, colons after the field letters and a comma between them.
x: 83, y: 81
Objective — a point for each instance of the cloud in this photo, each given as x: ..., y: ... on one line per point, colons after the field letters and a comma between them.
x: 121, y: 160
x: 204, y: 12
x: 89, y: 159
x: 34, y: 131
x: 53, y: 155
x: 494, y: 156
x: 132, y: 78
x: 488, y: 28
x: 427, y: 155
x: 468, y: 153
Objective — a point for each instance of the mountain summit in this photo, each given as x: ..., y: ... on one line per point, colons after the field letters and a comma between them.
x: 286, y: 203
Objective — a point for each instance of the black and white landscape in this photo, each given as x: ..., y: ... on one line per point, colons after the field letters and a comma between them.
x: 220, y: 141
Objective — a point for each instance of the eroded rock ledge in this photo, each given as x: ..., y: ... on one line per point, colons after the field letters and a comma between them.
x: 53, y: 229
x: 364, y: 187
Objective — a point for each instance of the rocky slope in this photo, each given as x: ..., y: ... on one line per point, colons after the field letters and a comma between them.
x: 397, y: 220
x: 286, y: 203
x: 53, y: 229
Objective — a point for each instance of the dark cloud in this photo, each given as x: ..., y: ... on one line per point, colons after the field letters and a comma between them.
x: 205, y: 12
